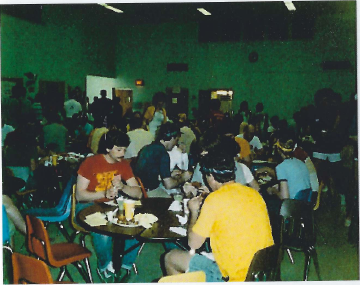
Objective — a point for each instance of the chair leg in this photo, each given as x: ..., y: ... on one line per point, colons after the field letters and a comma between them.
x: 307, y: 265
x: 316, y: 262
x: 81, y: 270
x: 88, y: 269
x: 140, y: 249
x: 61, y: 274
x: 74, y: 235
x: 290, y: 256
x: 135, y: 268
x: 68, y: 275
x: 63, y: 231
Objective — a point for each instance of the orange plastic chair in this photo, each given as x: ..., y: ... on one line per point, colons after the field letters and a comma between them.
x: 27, y: 269
x: 78, y: 229
x: 56, y: 255
x: 197, y: 276
x: 142, y: 187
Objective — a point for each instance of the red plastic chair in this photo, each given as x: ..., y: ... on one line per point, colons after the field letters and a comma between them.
x: 56, y: 255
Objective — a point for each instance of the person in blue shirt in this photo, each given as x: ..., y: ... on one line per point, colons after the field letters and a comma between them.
x: 292, y: 173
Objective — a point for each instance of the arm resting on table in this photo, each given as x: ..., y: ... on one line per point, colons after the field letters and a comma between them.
x: 171, y: 182
x: 132, y: 188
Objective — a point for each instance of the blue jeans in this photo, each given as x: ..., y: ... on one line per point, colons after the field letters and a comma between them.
x: 201, y: 263
x: 103, y: 245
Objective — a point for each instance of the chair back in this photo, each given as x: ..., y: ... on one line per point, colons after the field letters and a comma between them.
x: 7, y: 250
x: 5, y: 226
x: 297, y: 224
x: 142, y: 187
x: 27, y: 269
x: 265, y: 265
x: 197, y: 276
x: 38, y: 241
x: 63, y: 204
x: 75, y: 225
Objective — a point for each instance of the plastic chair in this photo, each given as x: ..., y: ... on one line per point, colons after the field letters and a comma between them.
x: 78, y: 229
x: 7, y: 249
x: 197, y: 276
x: 265, y: 265
x: 145, y: 196
x: 56, y: 255
x: 27, y: 269
x: 297, y: 232
x: 59, y: 213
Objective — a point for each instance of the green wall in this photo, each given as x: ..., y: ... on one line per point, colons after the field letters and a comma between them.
x: 67, y: 46
x: 285, y: 77
x: 74, y: 41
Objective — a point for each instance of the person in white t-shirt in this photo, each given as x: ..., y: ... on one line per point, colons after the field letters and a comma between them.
x: 255, y: 143
x: 72, y: 107
x: 138, y: 138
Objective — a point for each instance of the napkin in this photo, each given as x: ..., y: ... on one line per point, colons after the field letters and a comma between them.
x: 175, y: 206
x: 145, y: 220
x: 179, y: 231
x: 96, y: 219
x: 182, y: 220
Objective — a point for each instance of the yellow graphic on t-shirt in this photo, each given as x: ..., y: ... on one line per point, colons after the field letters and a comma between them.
x: 104, y: 179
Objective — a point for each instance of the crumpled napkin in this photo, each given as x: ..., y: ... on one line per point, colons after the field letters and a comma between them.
x: 179, y: 230
x: 175, y: 206
x: 182, y: 220
x: 96, y: 219
x: 145, y: 220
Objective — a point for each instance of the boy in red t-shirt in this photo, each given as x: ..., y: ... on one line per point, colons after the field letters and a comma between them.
x: 100, y: 179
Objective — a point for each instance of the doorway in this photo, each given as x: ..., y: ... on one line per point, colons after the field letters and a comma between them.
x: 177, y: 102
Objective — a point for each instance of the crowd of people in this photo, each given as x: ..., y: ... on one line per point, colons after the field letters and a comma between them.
x: 216, y: 153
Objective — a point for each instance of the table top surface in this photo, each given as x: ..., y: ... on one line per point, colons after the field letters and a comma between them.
x: 160, y: 230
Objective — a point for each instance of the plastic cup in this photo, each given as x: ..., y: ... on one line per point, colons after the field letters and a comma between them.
x: 129, y: 206
x: 178, y: 197
x: 121, y: 207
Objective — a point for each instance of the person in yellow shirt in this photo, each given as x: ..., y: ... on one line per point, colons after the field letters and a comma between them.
x: 235, y: 218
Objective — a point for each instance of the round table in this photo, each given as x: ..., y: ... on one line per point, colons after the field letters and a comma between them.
x: 159, y: 232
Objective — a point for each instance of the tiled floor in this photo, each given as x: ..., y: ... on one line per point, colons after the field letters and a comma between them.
x: 338, y: 258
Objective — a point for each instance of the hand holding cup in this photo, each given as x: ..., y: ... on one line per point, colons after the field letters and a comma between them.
x: 195, y: 203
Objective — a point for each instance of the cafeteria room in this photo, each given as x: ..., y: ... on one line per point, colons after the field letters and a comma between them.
x: 251, y: 103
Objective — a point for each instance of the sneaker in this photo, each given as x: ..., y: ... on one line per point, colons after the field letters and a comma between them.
x: 105, y: 275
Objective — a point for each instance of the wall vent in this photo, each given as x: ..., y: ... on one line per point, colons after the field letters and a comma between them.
x: 177, y: 67
x: 336, y: 65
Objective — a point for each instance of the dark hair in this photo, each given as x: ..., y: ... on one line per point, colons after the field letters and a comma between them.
x: 259, y: 107
x: 209, y: 139
x: 215, y: 104
x: 18, y: 91
x: 244, y: 105
x: 167, y: 131
x: 103, y: 93
x: 220, y: 165
x: 321, y: 94
x: 158, y: 97
x: 135, y: 123
x: 113, y: 138
x: 287, y: 143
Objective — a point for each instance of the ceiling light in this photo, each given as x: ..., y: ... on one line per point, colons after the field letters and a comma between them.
x: 111, y: 8
x: 290, y: 5
x: 202, y: 10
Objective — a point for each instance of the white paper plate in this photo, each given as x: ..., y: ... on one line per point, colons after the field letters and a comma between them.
x: 110, y: 203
